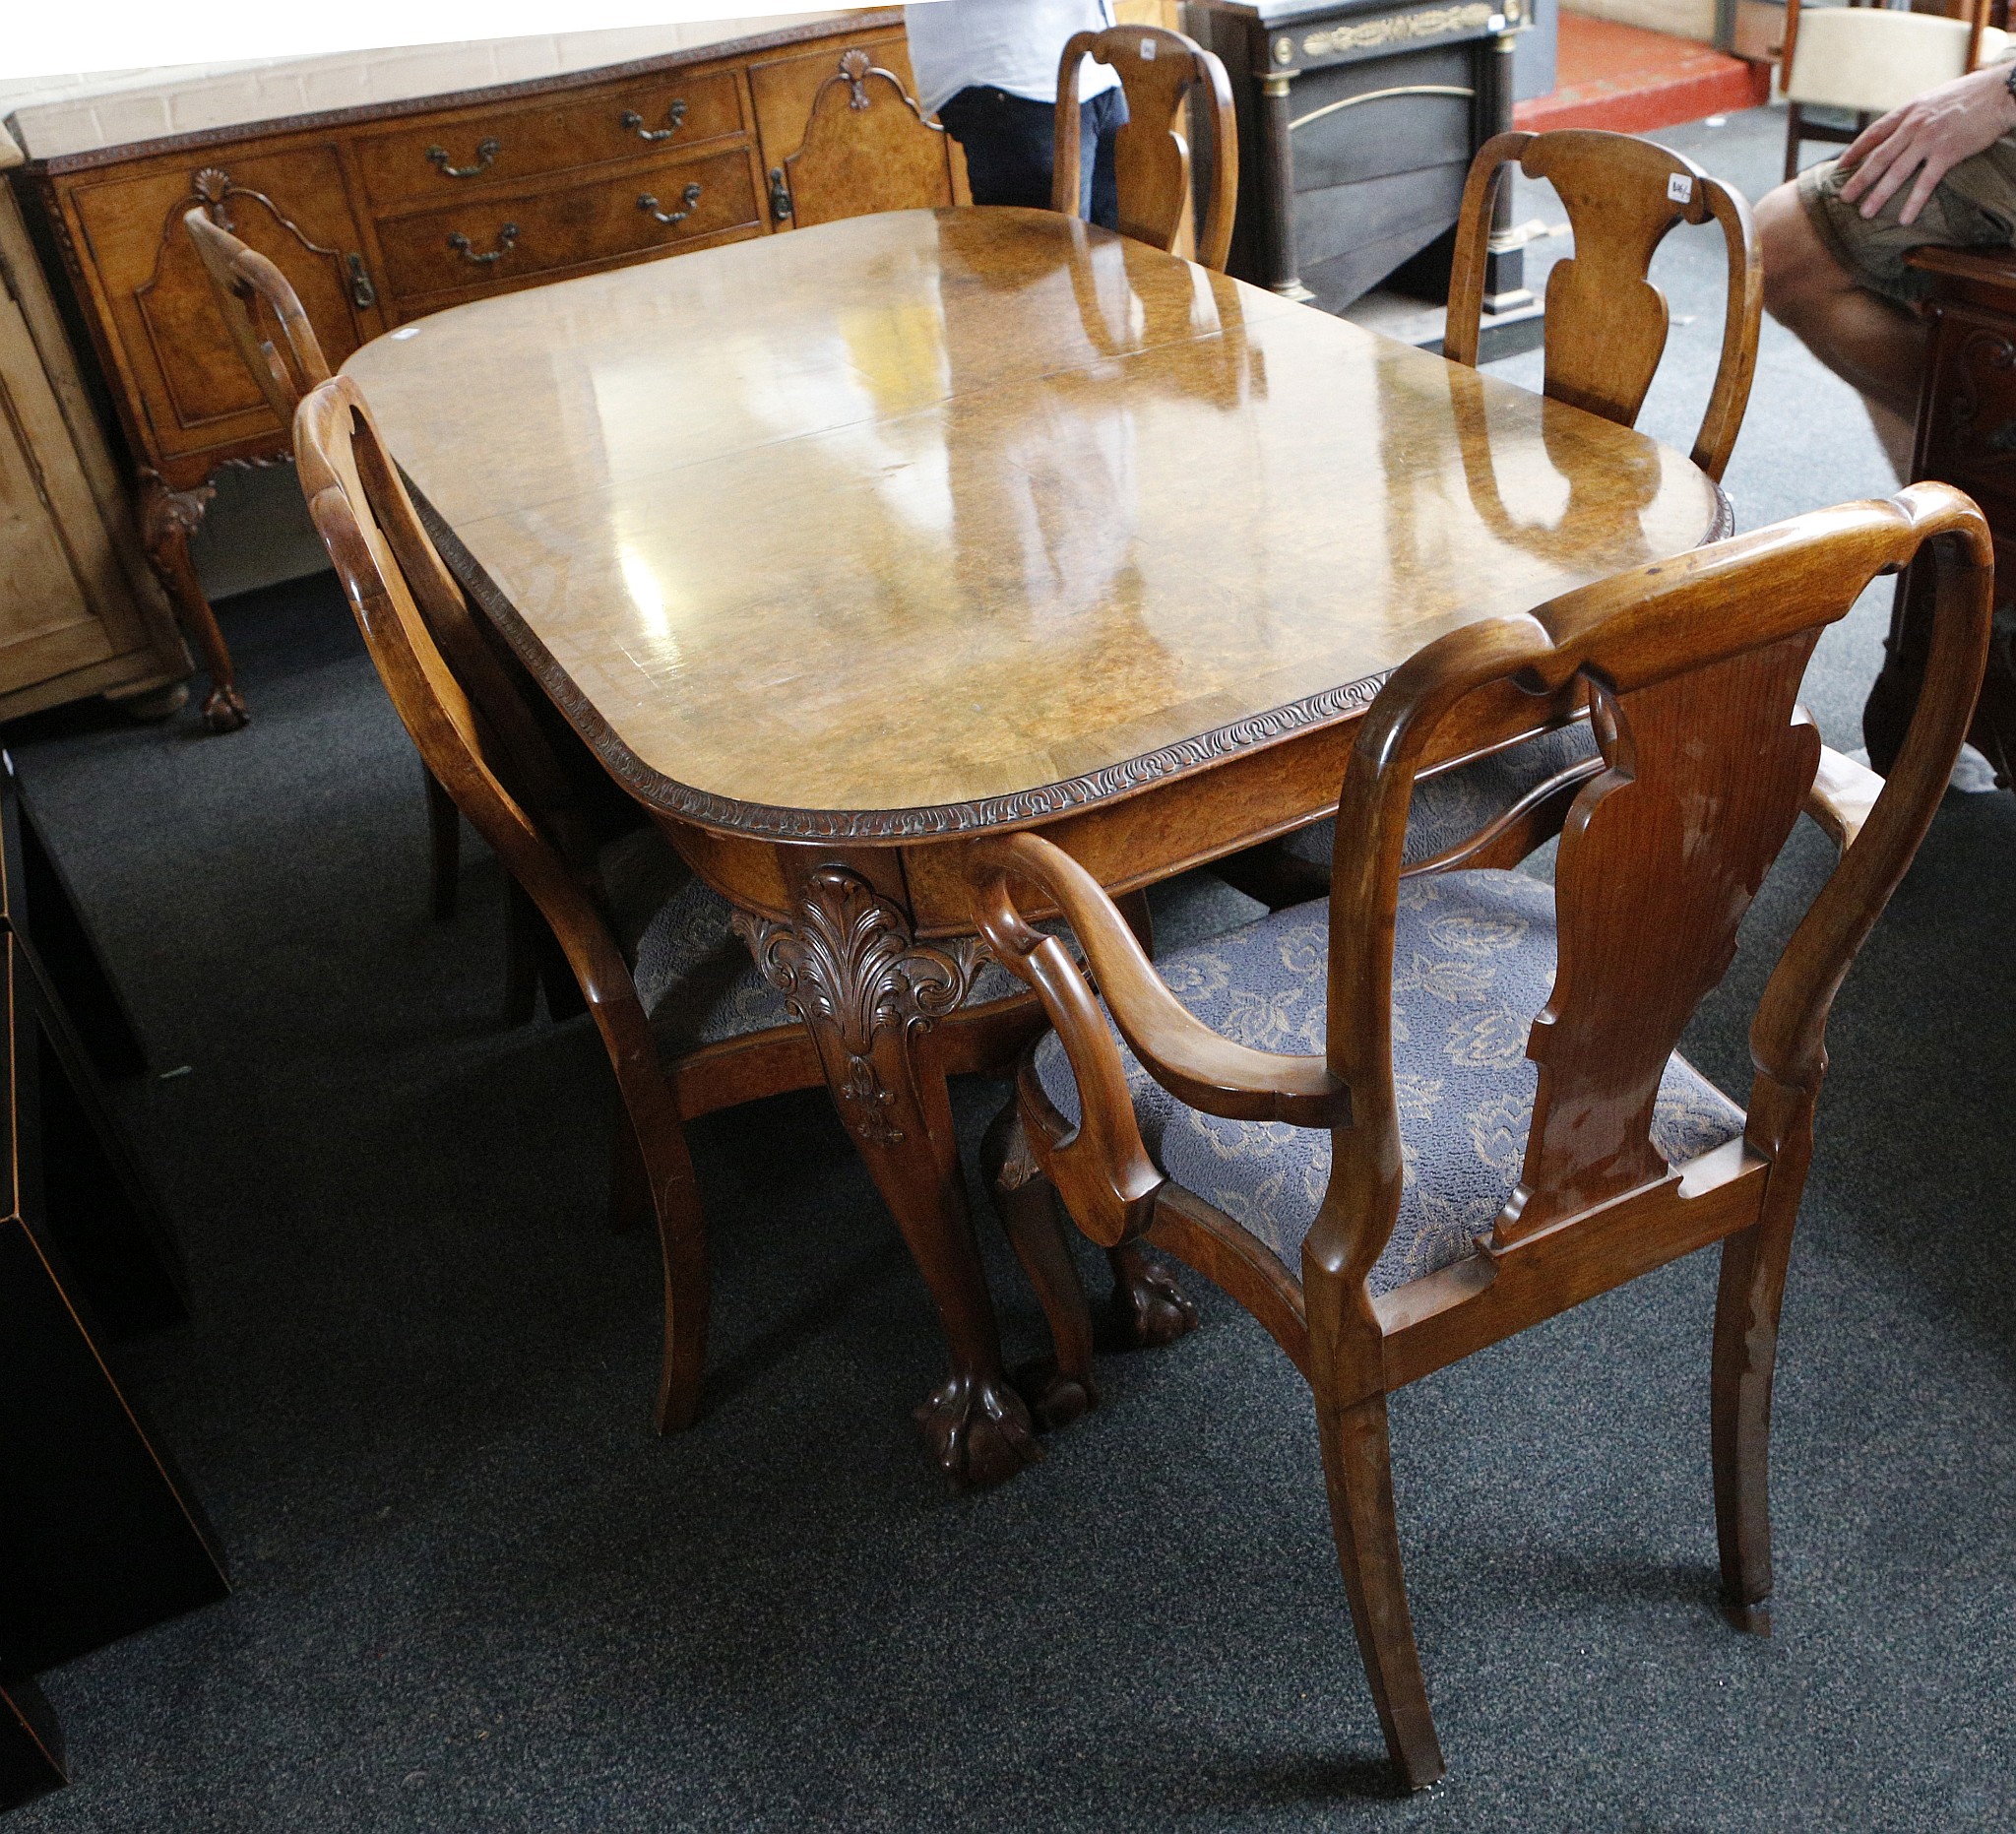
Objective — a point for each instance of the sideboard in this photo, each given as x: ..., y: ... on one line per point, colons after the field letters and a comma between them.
x: 382, y: 213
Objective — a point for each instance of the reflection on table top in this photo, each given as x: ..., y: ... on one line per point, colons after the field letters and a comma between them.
x: 918, y: 511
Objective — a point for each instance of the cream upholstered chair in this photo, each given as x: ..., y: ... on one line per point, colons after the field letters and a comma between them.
x: 1870, y: 58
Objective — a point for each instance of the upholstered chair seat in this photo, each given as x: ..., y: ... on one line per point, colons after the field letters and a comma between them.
x: 1472, y: 962
x: 700, y: 985
x: 1450, y: 807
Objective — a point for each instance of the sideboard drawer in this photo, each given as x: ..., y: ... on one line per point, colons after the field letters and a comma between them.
x: 440, y: 159
x: 497, y: 239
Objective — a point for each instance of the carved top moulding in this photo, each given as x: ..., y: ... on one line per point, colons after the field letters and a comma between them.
x: 197, y: 106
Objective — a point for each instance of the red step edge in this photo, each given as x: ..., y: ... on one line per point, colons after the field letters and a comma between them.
x: 1655, y: 102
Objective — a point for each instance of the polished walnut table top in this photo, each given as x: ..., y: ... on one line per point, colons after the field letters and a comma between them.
x: 914, y: 523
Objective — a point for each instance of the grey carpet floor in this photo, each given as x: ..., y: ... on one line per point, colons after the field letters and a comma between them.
x: 475, y: 1593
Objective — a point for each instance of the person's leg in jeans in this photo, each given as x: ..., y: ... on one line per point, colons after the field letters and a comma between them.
x: 1010, y: 146
x: 1104, y: 116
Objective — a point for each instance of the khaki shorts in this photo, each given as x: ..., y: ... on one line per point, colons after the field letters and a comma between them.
x: 1974, y: 206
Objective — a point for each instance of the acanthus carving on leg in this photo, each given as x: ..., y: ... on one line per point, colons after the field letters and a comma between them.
x: 167, y: 519
x: 850, y: 971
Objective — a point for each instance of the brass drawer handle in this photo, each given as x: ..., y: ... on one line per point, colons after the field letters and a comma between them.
x: 690, y: 196
x: 486, y: 151
x: 633, y: 122
x: 361, y: 291
x: 507, y: 240
x: 780, y: 195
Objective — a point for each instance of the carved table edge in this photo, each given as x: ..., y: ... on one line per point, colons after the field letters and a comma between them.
x: 926, y: 822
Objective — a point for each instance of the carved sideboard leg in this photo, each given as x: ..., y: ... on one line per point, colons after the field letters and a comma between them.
x: 849, y: 969
x: 167, y: 519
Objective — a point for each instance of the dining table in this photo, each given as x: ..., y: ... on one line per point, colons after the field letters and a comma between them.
x: 847, y: 547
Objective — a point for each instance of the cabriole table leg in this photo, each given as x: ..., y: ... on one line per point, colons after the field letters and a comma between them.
x: 850, y: 968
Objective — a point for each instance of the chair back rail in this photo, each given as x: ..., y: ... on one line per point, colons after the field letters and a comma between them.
x: 1606, y: 322
x: 867, y: 146
x: 398, y: 588
x: 243, y: 280
x: 1157, y: 70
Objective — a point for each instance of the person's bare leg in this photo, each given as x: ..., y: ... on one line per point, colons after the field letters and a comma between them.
x: 1871, y: 344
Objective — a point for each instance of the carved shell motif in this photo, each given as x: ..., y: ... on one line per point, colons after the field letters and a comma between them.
x: 855, y: 67
x: 213, y: 185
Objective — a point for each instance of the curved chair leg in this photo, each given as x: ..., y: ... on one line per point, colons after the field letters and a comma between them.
x: 444, y: 847
x: 1357, y: 1465
x: 1746, y: 1309
x: 1057, y: 1388
x: 682, y: 1244
x: 522, y: 923
x: 629, y: 1182
x: 1148, y: 1308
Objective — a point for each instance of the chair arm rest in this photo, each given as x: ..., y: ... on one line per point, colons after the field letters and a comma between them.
x: 1183, y: 1054
x: 1843, y: 794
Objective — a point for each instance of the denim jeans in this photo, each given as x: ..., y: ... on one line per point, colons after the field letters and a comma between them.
x: 1010, y: 144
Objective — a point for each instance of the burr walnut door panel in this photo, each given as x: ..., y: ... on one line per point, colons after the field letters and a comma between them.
x: 483, y: 244
x: 290, y: 205
x: 782, y: 88
x: 437, y: 159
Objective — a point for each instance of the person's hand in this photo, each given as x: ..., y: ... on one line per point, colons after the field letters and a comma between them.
x: 1928, y: 137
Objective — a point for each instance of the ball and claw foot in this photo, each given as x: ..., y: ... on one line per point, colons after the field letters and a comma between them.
x: 1148, y: 1308
x: 224, y: 709
x: 979, y: 1430
x: 1053, y: 1398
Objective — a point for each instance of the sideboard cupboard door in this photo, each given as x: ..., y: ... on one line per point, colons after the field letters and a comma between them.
x: 65, y: 605
x: 292, y: 205
x: 784, y: 87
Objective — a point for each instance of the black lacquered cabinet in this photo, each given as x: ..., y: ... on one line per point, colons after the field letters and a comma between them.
x: 1358, y: 122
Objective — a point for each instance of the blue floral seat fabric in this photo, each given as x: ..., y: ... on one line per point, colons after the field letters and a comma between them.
x: 1449, y: 808
x: 698, y: 984
x: 1472, y: 962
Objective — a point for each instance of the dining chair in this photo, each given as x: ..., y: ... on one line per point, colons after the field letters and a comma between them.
x: 661, y: 962
x: 867, y: 146
x: 1406, y: 1122
x: 1605, y: 332
x: 1157, y: 70
x: 286, y: 366
x: 1867, y: 57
